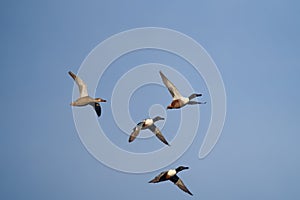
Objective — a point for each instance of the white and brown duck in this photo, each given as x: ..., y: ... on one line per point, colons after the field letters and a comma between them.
x: 148, y: 124
x: 171, y: 175
x: 84, y: 98
x: 178, y: 100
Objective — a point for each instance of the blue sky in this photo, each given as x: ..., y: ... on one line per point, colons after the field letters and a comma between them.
x: 255, y: 45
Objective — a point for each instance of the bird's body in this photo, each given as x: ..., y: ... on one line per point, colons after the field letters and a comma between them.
x: 178, y: 100
x: 148, y: 124
x: 171, y: 175
x: 178, y: 103
x: 84, y: 98
x: 83, y: 101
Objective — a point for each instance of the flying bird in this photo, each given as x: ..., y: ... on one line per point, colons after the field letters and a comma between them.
x: 148, y: 124
x: 178, y: 100
x: 172, y: 176
x: 84, y: 98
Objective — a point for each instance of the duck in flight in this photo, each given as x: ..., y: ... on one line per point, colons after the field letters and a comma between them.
x: 172, y: 176
x: 178, y: 100
x: 84, y: 98
x: 148, y: 124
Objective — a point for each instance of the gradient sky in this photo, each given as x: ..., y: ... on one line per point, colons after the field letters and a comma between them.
x: 255, y: 45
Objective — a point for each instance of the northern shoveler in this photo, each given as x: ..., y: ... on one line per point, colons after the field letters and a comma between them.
x: 172, y: 176
x: 178, y: 100
x: 148, y: 124
x: 84, y: 98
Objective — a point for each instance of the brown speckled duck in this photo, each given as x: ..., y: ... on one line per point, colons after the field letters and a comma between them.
x: 84, y: 98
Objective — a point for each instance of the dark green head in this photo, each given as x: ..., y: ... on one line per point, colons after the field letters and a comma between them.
x: 158, y: 118
x: 180, y: 168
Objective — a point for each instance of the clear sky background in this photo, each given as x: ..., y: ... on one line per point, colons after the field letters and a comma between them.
x: 255, y: 45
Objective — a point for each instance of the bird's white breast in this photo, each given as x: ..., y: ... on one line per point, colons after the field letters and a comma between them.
x: 171, y: 172
x: 185, y: 100
x: 148, y: 122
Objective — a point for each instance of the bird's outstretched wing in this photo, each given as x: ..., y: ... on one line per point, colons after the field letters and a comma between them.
x: 136, y: 131
x: 171, y: 87
x: 158, y: 134
x: 81, y: 85
x: 192, y: 96
x: 158, y: 178
x: 195, y: 102
x: 177, y: 181
x: 97, y: 108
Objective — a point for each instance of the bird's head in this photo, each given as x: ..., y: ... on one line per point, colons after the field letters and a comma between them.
x: 100, y: 100
x: 157, y: 118
x: 180, y: 168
